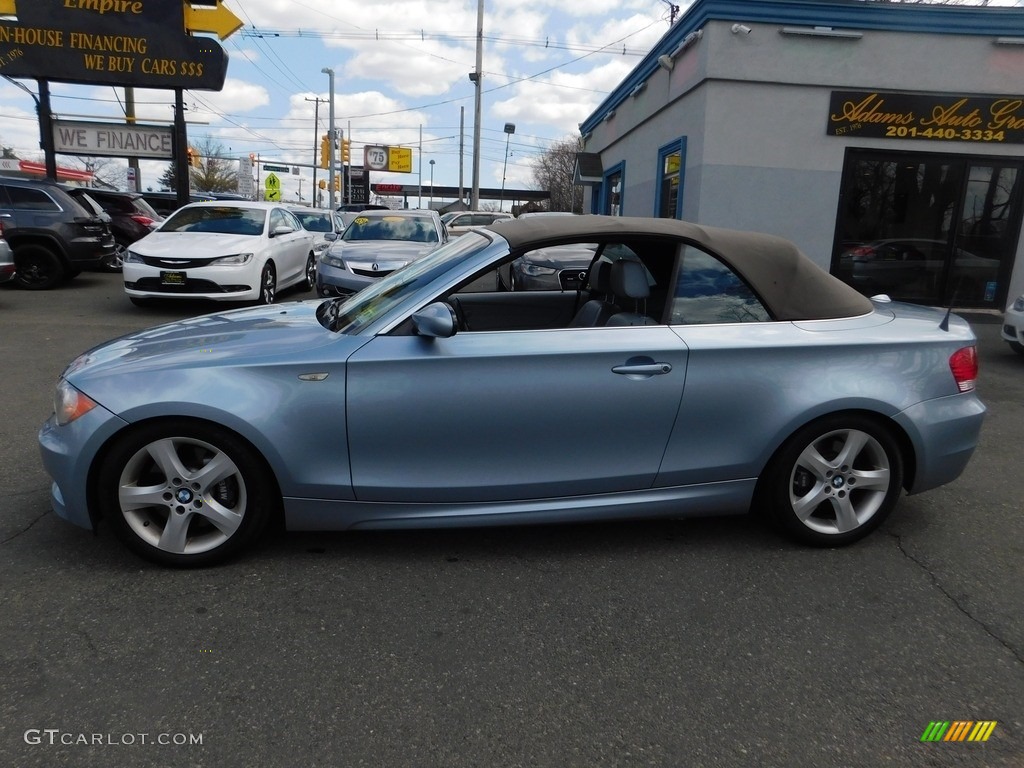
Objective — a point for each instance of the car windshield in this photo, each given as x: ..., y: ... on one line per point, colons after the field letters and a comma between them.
x: 314, y: 222
x: 355, y: 313
x: 225, y: 220
x: 408, y: 228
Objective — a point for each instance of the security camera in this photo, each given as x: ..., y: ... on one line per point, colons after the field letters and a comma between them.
x: 740, y: 28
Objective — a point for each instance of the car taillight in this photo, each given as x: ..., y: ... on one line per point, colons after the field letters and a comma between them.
x: 143, y: 220
x: 964, y: 365
x: 861, y: 250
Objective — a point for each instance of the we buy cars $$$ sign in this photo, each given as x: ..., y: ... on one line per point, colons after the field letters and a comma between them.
x: 142, y: 43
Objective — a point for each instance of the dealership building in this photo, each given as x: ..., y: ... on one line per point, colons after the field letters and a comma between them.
x: 886, y: 140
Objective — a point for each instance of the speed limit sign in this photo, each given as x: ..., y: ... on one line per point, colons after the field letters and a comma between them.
x: 375, y: 158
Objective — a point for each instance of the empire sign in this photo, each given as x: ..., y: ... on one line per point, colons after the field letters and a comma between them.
x: 141, y: 43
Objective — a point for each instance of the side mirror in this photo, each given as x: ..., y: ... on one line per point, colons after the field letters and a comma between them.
x: 282, y: 230
x: 436, y: 321
x: 330, y: 236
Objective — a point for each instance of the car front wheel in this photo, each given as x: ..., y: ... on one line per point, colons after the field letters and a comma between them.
x: 184, y: 494
x: 268, y: 285
x: 309, y: 280
x: 835, y: 480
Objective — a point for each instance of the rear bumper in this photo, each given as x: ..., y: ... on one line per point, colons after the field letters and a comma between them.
x: 944, y: 433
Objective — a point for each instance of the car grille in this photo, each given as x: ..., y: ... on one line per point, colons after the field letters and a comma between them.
x: 572, y: 279
x: 371, y: 273
x: 150, y: 261
x: 192, y: 285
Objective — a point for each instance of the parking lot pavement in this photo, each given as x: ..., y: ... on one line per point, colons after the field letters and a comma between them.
x: 689, y: 643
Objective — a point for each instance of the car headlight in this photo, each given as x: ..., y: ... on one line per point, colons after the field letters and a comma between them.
x: 131, y: 257
x: 69, y: 404
x: 232, y: 261
x: 535, y: 270
x: 1018, y: 305
x: 330, y: 260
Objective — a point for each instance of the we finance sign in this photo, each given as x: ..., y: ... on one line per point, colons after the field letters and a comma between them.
x: 143, y: 43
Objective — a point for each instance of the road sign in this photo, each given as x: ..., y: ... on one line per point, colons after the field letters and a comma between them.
x: 375, y: 158
x: 278, y: 168
x: 217, y: 19
x: 272, y: 187
x: 142, y: 43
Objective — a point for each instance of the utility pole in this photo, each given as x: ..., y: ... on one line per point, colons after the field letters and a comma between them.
x: 477, y: 78
x: 316, y: 132
x: 462, y: 149
x: 133, y: 162
x: 331, y: 137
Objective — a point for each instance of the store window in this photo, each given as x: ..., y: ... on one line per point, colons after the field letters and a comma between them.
x: 933, y: 229
x: 669, y: 202
x: 611, y: 191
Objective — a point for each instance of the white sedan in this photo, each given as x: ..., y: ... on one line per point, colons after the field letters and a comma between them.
x: 1013, y: 325
x: 226, y: 251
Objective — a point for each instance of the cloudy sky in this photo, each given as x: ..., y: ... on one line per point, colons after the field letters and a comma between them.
x: 401, y: 66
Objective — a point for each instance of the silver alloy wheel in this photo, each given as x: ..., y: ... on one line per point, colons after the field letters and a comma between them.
x: 182, y: 495
x: 115, y: 261
x: 310, y: 273
x: 268, y: 285
x: 839, y: 481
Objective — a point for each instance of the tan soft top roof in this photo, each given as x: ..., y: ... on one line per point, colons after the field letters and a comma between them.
x: 790, y: 284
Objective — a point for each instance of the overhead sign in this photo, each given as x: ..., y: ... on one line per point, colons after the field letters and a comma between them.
x: 272, y: 188
x: 394, y: 159
x: 155, y: 142
x: 991, y: 120
x: 278, y: 168
x: 142, y: 43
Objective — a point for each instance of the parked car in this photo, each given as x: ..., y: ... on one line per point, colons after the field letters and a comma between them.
x: 225, y: 251
x: 357, y: 207
x: 7, y: 271
x: 1013, y: 326
x: 422, y: 403
x: 374, y: 244
x: 323, y: 224
x: 166, y: 203
x: 130, y: 218
x: 53, y: 237
x: 460, y: 222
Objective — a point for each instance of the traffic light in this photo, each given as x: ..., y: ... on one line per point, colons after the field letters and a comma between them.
x: 337, y: 183
x: 345, y: 145
x: 325, y: 151
x: 193, y: 157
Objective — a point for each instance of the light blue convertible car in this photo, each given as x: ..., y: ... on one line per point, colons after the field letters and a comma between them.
x: 697, y: 371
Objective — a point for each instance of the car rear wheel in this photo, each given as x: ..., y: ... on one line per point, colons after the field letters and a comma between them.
x: 38, y: 267
x: 115, y: 261
x: 835, y: 480
x: 309, y: 281
x: 186, y: 494
x: 268, y: 285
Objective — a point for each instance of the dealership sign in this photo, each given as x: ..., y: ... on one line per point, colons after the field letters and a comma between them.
x: 154, y: 142
x: 143, y: 43
x: 987, y: 119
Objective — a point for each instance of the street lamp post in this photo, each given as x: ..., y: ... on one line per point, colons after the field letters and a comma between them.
x: 431, y: 183
x: 510, y: 128
x: 330, y: 132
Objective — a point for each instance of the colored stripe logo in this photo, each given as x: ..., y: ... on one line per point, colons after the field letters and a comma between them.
x: 959, y: 730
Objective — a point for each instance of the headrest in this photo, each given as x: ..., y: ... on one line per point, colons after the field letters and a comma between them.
x: 629, y: 280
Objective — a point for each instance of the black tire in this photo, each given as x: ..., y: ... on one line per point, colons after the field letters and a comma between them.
x: 835, y: 480
x: 309, y: 280
x: 197, y: 517
x: 268, y: 285
x: 39, y: 268
x: 1017, y: 347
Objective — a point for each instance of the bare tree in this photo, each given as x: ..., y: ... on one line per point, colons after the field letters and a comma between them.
x: 215, y: 173
x: 554, y: 171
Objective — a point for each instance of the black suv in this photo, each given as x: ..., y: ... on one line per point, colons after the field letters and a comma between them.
x: 131, y: 217
x: 52, y: 235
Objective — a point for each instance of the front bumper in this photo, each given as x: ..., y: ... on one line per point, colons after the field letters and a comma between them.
x: 337, y: 281
x: 1013, y: 326
x: 68, y: 453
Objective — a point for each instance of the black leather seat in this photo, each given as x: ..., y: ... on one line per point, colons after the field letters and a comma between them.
x: 596, y: 311
x: 629, y: 284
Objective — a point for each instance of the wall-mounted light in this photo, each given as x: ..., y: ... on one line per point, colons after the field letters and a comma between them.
x: 609, y: 115
x: 741, y: 29
x: 689, y: 40
x: 1009, y: 41
x: 636, y: 91
x: 821, y: 32
x: 666, y: 63
x: 587, y: 135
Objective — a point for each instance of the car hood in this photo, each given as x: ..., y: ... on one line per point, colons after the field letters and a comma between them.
x: 283, y: 333
x: 387, y: 254
x: 194, y: 245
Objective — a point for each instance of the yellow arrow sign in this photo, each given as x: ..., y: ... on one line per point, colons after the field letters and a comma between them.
x: 7, y: 8
x: 219, y: 20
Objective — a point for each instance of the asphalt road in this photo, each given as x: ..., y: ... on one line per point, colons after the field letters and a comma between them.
x: 675, y: 643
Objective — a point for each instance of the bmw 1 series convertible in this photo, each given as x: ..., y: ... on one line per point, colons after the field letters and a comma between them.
x: 697, y: 371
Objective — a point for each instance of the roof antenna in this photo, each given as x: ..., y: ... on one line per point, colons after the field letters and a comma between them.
x: 944, y: 325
